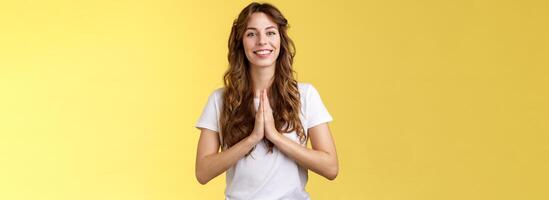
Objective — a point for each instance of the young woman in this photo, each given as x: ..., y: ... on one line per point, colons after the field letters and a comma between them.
x: 263, y: 117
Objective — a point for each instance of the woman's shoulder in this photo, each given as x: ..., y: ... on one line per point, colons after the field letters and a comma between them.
x: 218, y: 91
x: 305, y: 88
x: 216, y: 95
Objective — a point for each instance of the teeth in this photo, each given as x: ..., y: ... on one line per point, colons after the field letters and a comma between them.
x: 263, y: 52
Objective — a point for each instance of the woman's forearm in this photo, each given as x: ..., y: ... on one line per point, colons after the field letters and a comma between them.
x: 320, y: 162
x: 210, y: 166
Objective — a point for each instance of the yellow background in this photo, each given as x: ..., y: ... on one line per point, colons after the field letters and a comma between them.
x: 430, y: 99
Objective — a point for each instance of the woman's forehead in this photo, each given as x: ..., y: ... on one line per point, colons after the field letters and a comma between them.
x: 260, y: 21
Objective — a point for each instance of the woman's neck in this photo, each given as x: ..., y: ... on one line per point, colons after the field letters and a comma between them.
x: 262, y: 78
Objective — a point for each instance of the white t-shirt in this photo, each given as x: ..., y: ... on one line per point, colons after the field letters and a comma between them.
x: 263, y: 175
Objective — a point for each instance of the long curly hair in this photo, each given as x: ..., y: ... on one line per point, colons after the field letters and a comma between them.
x: 238, y: 113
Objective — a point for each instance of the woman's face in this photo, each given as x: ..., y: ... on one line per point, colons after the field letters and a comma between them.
x: 261, y: 41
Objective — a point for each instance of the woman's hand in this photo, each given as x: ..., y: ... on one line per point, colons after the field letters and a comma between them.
x: 259, y: 128
x: 270, y: 129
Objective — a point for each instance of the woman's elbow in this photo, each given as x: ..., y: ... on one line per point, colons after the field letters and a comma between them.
x: 200, y: 178
x: 201, y: 181
x: 331, y: 173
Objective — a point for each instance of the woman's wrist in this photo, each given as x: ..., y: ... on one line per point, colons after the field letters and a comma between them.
x: 253, y: 138
x: 275, y: 137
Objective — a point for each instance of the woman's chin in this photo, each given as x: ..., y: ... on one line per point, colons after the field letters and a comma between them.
x: 263, y: 64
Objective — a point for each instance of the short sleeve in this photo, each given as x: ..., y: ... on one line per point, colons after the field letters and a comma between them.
x: 316, y: 113
x: 209, y: 118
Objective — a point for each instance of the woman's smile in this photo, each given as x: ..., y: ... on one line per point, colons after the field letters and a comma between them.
x: 263, y: 53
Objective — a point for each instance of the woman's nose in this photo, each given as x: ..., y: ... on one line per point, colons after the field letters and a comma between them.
x: 261, y: 40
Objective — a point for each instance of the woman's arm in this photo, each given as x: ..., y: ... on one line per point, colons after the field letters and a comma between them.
x: 210, y: 162
x: 322, y: 158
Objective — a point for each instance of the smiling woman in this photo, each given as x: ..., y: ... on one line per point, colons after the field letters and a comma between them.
x: 262, y: 119
x: 261, y: 40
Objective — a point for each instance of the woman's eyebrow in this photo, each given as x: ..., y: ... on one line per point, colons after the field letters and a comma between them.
x: 253, y: 28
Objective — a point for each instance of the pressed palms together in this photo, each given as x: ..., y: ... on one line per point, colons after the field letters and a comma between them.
x: 264, y: 121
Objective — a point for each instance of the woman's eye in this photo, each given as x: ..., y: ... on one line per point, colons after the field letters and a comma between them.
x: 271, y: 33
x: 250, y: 34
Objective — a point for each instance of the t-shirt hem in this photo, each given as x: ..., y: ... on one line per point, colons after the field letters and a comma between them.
x: 313, y: 124
x: 207, y: 126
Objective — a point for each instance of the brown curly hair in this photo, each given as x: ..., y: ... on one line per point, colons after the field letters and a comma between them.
x: 237, y: 115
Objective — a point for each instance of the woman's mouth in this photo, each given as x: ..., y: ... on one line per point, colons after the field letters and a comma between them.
x: 263, y: 53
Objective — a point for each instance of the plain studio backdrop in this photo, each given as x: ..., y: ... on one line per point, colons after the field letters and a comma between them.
x: 431, y: 99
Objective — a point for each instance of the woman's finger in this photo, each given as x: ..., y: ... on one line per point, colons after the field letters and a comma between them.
x: 263, y: 99
x: 267, y: 104
x: 259, y: 111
